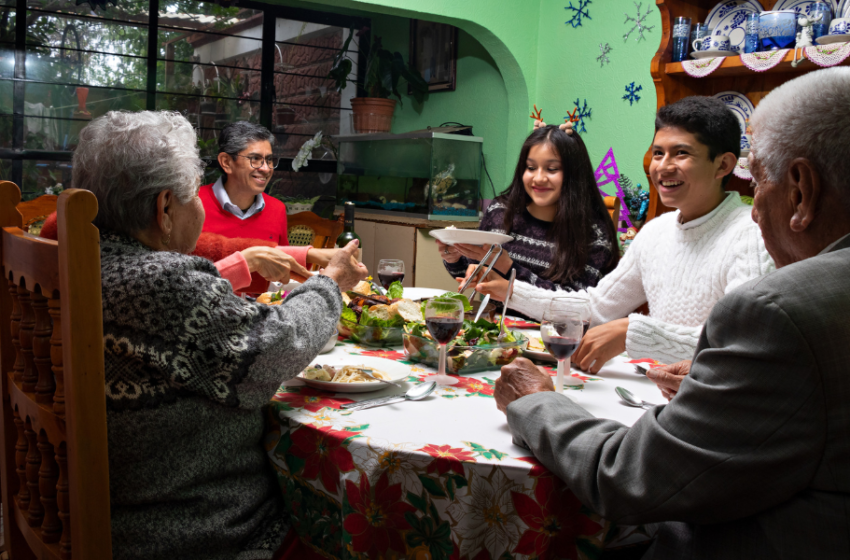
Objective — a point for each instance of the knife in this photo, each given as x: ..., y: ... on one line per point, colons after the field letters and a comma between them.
x: 484, y: 303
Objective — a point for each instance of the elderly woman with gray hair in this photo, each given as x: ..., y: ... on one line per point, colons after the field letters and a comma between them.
x: 188, y: 364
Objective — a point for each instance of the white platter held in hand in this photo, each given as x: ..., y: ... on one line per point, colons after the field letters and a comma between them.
x: 396, y: 370
x: 470, y: 236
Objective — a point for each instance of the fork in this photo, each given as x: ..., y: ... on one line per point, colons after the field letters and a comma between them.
x: 368, y: 373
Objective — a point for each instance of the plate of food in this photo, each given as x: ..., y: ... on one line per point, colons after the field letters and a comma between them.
x: 343, y: 374
x: 536, y: 350
x: 450, y: 236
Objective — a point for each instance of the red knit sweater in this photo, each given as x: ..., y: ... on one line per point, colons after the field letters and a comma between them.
x: 270, y: 223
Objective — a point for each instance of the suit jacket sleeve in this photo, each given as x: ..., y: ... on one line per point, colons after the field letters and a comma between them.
x: 745, y: 432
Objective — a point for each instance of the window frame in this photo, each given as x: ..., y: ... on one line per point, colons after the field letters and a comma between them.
x: 17, y: 154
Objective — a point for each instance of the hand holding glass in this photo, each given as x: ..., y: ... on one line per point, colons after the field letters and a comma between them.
x: 444, y: 318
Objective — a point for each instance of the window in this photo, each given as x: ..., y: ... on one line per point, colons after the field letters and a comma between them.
x: 215, y: 65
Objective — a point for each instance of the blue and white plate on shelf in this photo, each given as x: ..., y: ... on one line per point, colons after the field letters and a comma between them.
x: 728, y: 18
x: 805, y: 6
x: 743, y: 109
x: 842, y: 9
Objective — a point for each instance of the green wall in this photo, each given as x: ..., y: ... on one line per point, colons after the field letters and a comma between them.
x: 514, y: 53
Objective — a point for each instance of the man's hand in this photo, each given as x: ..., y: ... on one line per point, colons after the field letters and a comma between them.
x: 520, y: 378
x: 668, y: 378
x: 274, y: 265
x: 600, y: 344
x: 344, y: 268
x: 477, y: 253
x: 448, y: 253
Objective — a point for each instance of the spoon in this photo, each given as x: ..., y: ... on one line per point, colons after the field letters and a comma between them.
x: 631, y: 399
x: 415, y: 393
x: 508, y: 294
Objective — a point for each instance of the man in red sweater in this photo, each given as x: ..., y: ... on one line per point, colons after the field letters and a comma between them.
x: 237, y: 206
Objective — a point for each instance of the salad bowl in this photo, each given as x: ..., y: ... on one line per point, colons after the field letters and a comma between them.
x: 474, y: 350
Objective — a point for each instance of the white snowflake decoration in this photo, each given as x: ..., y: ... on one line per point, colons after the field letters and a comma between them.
x: 640, y: 23
x: 578, y: 13
x: 603, y: 59
x: 631, y: 93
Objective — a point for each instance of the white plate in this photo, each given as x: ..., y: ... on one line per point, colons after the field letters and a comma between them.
x: 804, y: 6
x: 395, y: 370
x: 842, y: 9
x: 417, y: 294
x: 730, y: 20
x: 543, y: 356
x: 743, y: 109
x: 712, y: 54
x: 723, y: 8
x: 830, y: 39
x: 470, y: 236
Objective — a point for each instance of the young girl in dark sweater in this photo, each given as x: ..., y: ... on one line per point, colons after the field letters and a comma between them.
x: 562, y: 233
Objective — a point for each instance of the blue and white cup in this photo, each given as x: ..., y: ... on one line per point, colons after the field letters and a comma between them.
x: 699, y: 33
x: 839, y: 26
x: 681, y: 36
x: 821, y: 15
x: 751, y: 33
x: 714, y: 43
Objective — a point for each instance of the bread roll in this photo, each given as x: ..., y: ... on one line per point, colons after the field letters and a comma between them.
x: 408, y: 309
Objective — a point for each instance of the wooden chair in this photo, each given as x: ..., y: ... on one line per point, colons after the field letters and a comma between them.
x: 306, y: 228
x: 37, y: 209
x: 612, y: 203
x: 54, y: 475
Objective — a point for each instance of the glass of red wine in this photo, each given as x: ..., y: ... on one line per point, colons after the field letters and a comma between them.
x: 444, y: 318
x: 389, y: 271
x: 573, y: 304
x: 561, y: 333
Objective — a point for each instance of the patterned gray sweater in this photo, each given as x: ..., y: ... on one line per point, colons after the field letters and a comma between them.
x: 189, y: 367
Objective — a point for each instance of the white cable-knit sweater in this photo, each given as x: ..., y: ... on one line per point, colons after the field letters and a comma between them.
x: 681, y: 270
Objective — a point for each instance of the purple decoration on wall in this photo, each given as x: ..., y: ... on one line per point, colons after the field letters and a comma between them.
x: 607, y: 172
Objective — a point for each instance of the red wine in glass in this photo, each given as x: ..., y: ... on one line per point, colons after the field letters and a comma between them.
x: 443, y: 329
x: 387, y: 278
x: 560, y: 347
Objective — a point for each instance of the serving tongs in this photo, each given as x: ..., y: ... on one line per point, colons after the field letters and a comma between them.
x: 480, y: 264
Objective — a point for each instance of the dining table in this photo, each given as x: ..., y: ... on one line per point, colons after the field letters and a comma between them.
x: 438, y: 478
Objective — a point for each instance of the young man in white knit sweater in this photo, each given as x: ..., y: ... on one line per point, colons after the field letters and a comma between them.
x: 681, y: 263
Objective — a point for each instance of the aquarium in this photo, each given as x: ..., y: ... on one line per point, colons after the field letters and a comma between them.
x: 421, y: 174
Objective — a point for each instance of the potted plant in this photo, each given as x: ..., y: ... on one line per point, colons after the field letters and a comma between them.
x: 384, y: 71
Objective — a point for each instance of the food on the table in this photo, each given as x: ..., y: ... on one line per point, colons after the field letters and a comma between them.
x: 535, y: 344
x: 475, y: 347
x: 345, y: 374
x: 272, y: 298
x: 375, y: 319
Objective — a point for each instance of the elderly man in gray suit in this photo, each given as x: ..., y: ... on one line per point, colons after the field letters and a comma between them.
x: 751, y: 458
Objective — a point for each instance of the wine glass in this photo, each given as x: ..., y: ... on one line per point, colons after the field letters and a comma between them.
x: 561, y: 334
x: 389, y: 271
x: 444, y: 318
x: 573, y: 304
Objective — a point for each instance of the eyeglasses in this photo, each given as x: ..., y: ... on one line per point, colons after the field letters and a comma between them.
x: 257, y: 161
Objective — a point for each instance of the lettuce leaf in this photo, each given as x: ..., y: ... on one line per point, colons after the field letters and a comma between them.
x: 349, y: 315
x: 395, y: 290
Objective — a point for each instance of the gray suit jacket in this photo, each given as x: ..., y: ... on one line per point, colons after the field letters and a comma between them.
x: 752, y: 458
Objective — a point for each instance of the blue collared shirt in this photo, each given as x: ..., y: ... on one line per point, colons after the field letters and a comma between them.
x: 224, y: 200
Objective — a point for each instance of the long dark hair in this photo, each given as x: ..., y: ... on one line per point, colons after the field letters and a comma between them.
x: 579, y: 207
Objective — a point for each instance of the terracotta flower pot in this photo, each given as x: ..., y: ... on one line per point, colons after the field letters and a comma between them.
x: 372, y: 114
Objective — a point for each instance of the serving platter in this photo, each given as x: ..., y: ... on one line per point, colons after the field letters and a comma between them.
x: 743, y: 109
x: 396, y: 370
x: 541, y: 355
x: 470, y: 236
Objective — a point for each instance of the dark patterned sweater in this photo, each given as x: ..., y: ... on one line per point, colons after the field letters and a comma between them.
x: 189, y: 367
x: 532, y: 251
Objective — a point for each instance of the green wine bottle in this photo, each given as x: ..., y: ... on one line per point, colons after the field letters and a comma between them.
x: 348, y: 234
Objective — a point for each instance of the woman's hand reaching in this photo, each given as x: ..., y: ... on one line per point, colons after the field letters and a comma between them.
x: 274, y: 265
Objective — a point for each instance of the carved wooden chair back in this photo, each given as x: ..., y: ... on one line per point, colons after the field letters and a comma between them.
x: 55, y: 469
x: 612, y: 203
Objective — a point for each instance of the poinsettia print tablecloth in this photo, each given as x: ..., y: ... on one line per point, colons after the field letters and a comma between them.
x: 434, y: 479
